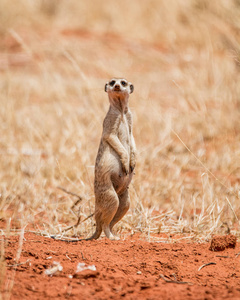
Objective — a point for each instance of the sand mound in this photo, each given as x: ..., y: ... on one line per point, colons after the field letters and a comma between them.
x: 220, y: 243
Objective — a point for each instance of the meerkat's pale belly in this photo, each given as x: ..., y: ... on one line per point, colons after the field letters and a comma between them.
x: 119, y: 178
x: 109, y: 162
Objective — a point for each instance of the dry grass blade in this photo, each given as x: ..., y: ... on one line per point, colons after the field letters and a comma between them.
x: 88, y: 217
x: 72, y: 194
x: 174, y: 281
x: 78, y: 222
x: 205, y: 265
x: 19, y: 264
x: 73, y: 226
x: 223, y: 256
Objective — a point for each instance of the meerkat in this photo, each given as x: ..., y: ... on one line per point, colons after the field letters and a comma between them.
x: 115, y: 161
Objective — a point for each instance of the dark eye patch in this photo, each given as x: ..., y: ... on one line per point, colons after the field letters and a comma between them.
x: 111, y: 83
x: 123, y: 83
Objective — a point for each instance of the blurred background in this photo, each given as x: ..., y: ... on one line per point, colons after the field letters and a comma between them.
x: 183, y: 59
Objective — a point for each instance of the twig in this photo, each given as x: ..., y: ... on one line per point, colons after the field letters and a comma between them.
x: 88, y: 217
x: 16, y: 265
x: 68, y: 239
x: 83, y: 258
x: 237, y: 254
x: 72, y: 194
x: 73, y: 226
x: 76, y: 203
x: 224, y: 256
x: 68, y: 192
x: 78, y: 222
x: 205, y: 265
x: 174, y: 281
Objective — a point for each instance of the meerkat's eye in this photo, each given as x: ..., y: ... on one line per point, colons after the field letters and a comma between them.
x: 111, y: 83
x: 123, y: 83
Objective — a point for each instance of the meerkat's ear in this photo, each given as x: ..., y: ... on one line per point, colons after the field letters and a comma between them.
x: 105, y: 87
x: 131, y: 88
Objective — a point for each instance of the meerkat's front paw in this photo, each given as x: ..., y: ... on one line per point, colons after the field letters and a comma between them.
x: 132, y: 162
x: 125, y: 169
x: 125, y: 164
x: 132, y: 167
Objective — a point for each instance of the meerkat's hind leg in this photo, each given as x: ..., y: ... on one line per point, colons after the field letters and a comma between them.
x: 107, y: 203
x: 96, y: 234
x: 124, y: 204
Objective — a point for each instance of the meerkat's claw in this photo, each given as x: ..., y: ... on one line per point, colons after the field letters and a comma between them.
x: 125, y: 172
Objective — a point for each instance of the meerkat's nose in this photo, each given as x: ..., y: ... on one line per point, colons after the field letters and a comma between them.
x: 117, y: 87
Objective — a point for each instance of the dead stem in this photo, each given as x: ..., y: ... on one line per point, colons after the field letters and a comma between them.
x: 205, y: 265
x: 72, y: 194
x: 174, y: 281
x: 19, y: 264
x: 78, y: 222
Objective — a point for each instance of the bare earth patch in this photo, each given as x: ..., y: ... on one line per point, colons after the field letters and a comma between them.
x: 130, y: 269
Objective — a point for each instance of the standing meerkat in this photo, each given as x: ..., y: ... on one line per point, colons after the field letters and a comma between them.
x: 116, y: 159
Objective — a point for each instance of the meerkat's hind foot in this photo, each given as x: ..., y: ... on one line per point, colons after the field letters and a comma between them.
x: 110, y: 235
x: 114, y: 237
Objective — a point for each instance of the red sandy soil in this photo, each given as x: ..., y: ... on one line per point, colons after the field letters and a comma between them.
x: 125, y: 269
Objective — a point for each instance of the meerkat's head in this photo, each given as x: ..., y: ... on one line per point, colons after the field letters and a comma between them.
x: 119, y: 86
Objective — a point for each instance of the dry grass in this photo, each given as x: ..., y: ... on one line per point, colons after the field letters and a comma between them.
x: 183, y: 58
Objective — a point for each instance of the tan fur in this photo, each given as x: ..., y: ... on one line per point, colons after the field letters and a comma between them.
x: 115, y: 160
